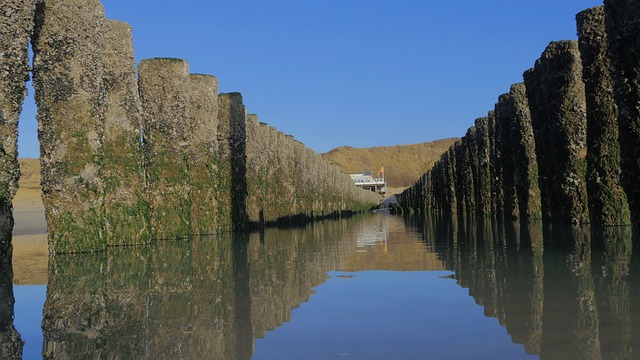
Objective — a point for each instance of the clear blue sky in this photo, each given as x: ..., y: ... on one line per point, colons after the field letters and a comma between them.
x: 350, y: 72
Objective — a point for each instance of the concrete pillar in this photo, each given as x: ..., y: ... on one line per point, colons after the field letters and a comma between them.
x: 467, y: 167
x: 16, y: 19
x: 68, y: 78
x: 165, y: 92
x: 125, y: 203
x: 524, y: 155
x: 451, y: 181
x: 483, y: 184
x: 623, y: 32
x: 458, y: 148
x: 504, y: 119
x: 495, y: 166
x: 607, y: 200
x: 557, y: 101
x: 232, y: 138
x: 202, y: 131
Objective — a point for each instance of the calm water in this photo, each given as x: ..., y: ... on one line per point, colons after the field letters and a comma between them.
x: 370, y: 287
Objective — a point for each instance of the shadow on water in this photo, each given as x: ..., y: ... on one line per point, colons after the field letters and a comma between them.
x: 11, y: 343
x: 563, y: 292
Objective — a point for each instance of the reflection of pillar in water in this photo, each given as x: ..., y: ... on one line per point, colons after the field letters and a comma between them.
x: 10, y: 342
x: 242, y: 291
x: 75, y: 312
x: 570, y: 314
x: 612, y: 291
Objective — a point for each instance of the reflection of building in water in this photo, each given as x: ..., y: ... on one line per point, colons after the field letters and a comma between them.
x: 374, y: 235
x: 384, y: 243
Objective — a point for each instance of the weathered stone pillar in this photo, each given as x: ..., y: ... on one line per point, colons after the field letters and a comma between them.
x: 557, y: 101
x: 203, y: 151
x: 623, y: 32
x: 16, y: 19
x: 125, y: 202
x: 458, y: 149
x: 451, y: 181
x: 607, y: 200
x: 524, y: 155
x: 495, y: 166
x: 504, y: 117
x: 68, y: 78
x: 483, y: 185
x: 467, y: 172
x: 258, y: 147
x: 232, y: 148
x: 164, y: 92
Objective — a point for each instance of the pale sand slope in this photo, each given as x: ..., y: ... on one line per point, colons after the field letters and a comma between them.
x: 30, y: 252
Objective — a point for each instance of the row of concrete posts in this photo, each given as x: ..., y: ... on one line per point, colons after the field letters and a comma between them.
x: 129, y: 157
x: 564, y: 145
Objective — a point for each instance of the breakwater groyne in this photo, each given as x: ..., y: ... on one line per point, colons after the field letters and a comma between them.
x: 562, y: 146
x: 130, y: 156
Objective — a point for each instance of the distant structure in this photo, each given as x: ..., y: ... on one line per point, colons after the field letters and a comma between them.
x: 366, y: 181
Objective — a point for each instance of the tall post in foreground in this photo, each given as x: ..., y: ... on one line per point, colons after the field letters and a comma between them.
x: 623, y: 32
x: 557, y: 101
x: 607, y: 200
x: 68, y: 79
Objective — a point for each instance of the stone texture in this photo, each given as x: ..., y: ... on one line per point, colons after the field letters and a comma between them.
x: 467, y: 173
x: 504, y: 117
x: 203, y: 152
x: 125, y: 201
x: 450, y: 181
x: 495, y: 164
x: 482, y: 176
x: 232, y: 145
x: 623, y: 39
x: 17, y: 19
x: 607, y: 200
x: 557, y: 100
x: 68, y: 79
x: 524, y: 155
x: 164, y: 86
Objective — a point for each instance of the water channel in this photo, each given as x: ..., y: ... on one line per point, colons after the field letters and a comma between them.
x: 374, y: 286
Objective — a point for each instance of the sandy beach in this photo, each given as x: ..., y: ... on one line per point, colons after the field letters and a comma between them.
x: 30, y: 252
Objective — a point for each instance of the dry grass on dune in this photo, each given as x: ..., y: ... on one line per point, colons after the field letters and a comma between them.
x: 29, y: 194
x: 403, y: 164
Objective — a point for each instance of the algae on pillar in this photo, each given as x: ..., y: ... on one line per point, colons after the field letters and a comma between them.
x: 126, y: 207
x: 504, y: 117
x: 16, y: 20
x: 483, y: 177
x: 467, y: 166
x: 203, y: 151
x: 557, y: 101
x: 164, y: 92
x: 232, y: 150
x: 68, y: 78
x: 607, y: 200
x: 623, y: 32
x: 524, y: 155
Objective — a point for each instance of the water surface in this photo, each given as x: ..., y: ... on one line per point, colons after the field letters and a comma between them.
x: 369, y: 287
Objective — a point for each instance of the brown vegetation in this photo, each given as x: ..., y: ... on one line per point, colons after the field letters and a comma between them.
x: 29, y: 193
x: 403, y: 164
